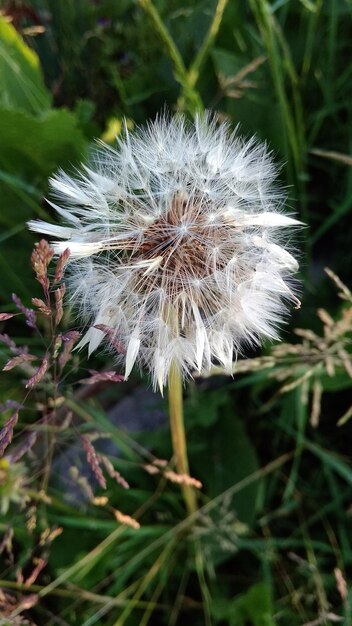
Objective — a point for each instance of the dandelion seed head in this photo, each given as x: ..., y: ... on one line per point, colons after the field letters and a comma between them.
x: 178, y: 244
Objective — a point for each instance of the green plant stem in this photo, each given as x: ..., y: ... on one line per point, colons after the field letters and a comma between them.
x: 197, y: 63
x: 189, y: 99
x: 166, y: 38
x: 178, y: 434
x: 92, y: 558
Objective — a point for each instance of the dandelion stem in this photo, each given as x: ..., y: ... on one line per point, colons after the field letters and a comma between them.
x: 178, y: 434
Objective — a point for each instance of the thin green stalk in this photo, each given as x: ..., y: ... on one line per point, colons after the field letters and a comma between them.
x: 166, y: 38
x: 302, y: 419
x: 92, y: 557
x: 200, y: 567
x: 83, y: 594
x: 189, y: 99
x: 292, y: 117
x: 192, y: 98
x: 262, y: 12
x: 179, y: 445
x: 200, y: 58
x: 178, y: 435
x: 150, y: 576
x: 309, y: 39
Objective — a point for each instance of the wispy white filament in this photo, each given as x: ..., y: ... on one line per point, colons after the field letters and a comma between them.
x: 177, y: 244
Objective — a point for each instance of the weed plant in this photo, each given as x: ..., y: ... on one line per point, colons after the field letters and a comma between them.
x: 93, y: 525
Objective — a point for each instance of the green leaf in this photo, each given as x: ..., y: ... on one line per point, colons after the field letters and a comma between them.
x: 226, y: 457
x: 227, y: 63
x: 232, y: 458
x: 31, y: 149
x: 34, y: 146
x: 21, y: 80
x: 341, y: 466
x: 254, y: 608
x: 338, y: 382
x: 203, y: 408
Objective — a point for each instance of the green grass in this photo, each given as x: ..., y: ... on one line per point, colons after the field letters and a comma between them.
x: 271, y: 542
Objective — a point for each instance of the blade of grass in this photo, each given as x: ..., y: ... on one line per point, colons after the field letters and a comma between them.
x: 147, y: 580
x: 292, y: 118
x: 314, y: 14
x: 92, y: 557
x: 302, y: 419
x: 206, y: 597
x: 342, y: 209
x: 83, y: 593
x: 337, y: 463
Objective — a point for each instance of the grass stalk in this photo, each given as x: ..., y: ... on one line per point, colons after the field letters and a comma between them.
x: 264, y: 18
x: 150, y: 576
x: 200, y: 58
x: 292, y: 117
x: 166, y: 38
x: 191, y: 97
x: 91, y: 558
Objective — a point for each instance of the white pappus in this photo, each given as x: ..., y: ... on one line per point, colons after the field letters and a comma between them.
x: 178, y: 244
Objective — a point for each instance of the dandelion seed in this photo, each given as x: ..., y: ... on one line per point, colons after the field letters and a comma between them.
x: 177, y: 244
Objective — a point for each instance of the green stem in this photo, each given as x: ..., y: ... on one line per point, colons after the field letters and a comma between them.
x: 192, y: 99
x: 197, y: 63
x: 178, y: 434
x: 166, y: 38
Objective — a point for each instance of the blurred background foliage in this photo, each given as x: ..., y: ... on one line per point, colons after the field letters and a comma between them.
x: 272, y: 544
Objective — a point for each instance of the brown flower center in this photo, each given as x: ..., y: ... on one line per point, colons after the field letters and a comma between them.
x: 182, y: 238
